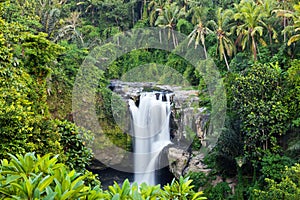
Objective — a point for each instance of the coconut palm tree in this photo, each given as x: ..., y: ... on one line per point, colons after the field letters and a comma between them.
x: 220, y: 27
x: 168, y: 19
x: 284, y: 10
x: 251, y: 25
x: 70, y: 29
x: 295, y: 27
x: 155, y: 8
x: 200, y: 29
x: 269, y: 6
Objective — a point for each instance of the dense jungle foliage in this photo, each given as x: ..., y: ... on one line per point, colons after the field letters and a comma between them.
x: 254, y: 44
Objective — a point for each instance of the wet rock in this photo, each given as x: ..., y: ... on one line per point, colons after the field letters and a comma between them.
x: 178, y: 160
x: 196, y: 164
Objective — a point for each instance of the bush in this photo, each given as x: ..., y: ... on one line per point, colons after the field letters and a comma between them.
x: 73, y: 138
x: 287, y: 188
x: 220, y: 191
x: 35, y: 177
x: 259, y: 101
x: 23, y: 125
x: 181, y: 189
x: 199, y: 179
x: 274, y: 165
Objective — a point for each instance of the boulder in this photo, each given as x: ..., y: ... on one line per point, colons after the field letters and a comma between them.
x: 178, y: 160
x: 196, y: 164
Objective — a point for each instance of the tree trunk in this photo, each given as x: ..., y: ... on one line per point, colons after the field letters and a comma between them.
x: 205, y: 52
x: 175, y: 43
x: 132, y: 11
x: 284, y: 25
x: 226, y: 61
x: 159, y: 36
x: 271, y: 43
x: 254, y: 48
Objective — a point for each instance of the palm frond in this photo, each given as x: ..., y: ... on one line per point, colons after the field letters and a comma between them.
x: 293, y: 39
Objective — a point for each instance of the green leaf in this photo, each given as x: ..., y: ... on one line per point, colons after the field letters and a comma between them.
x: 45, y: 182
x: 116, y: 197
x: 12, y: 178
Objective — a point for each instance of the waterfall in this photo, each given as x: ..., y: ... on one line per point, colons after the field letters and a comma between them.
x: 150, y: 124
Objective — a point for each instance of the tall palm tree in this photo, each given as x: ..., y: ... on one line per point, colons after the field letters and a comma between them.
x: 295, y: 27
x: 155, y: 8
x: 284, y: 9
x: 168, y: 19
x: 250, y: 29
x: 200, y: 29
x: 269, y: 6
x: 70, y: 29
x: 220, y: 27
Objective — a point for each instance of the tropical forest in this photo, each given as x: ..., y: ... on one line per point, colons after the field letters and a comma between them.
x: 216, y: 83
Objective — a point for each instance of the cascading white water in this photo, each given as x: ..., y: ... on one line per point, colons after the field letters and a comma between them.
x: 150, y: 122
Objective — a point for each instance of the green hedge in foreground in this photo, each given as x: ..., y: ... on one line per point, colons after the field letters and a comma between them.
x: 32, y: 176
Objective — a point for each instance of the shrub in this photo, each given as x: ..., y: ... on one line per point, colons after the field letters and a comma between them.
x: 220, y: 191
x: 181, y: 189
x: 199, y: 179
x: 36, y: 177
x: 274, y: 165
x: 73, y: 138
x: 287, y: 188
x: 23, y: 126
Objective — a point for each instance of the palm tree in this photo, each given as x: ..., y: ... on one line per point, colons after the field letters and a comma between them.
x: 295, y: 27
x: 220, y: 26
x: 200, y: 30
x: 270, y: 21
x: 284, y: 10
x: 70, y: 29
x: 45, y: 12
x: 168, y: 19
x: 250, y: 30
x: 155, y: 8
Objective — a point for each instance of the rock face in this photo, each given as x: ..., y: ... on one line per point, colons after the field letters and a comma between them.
x: 189, y: 118
x: 181, y: 161
x: 178, y: 160
x: 187, y: 123
x: 196, y: 164
x: 186, y: 117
